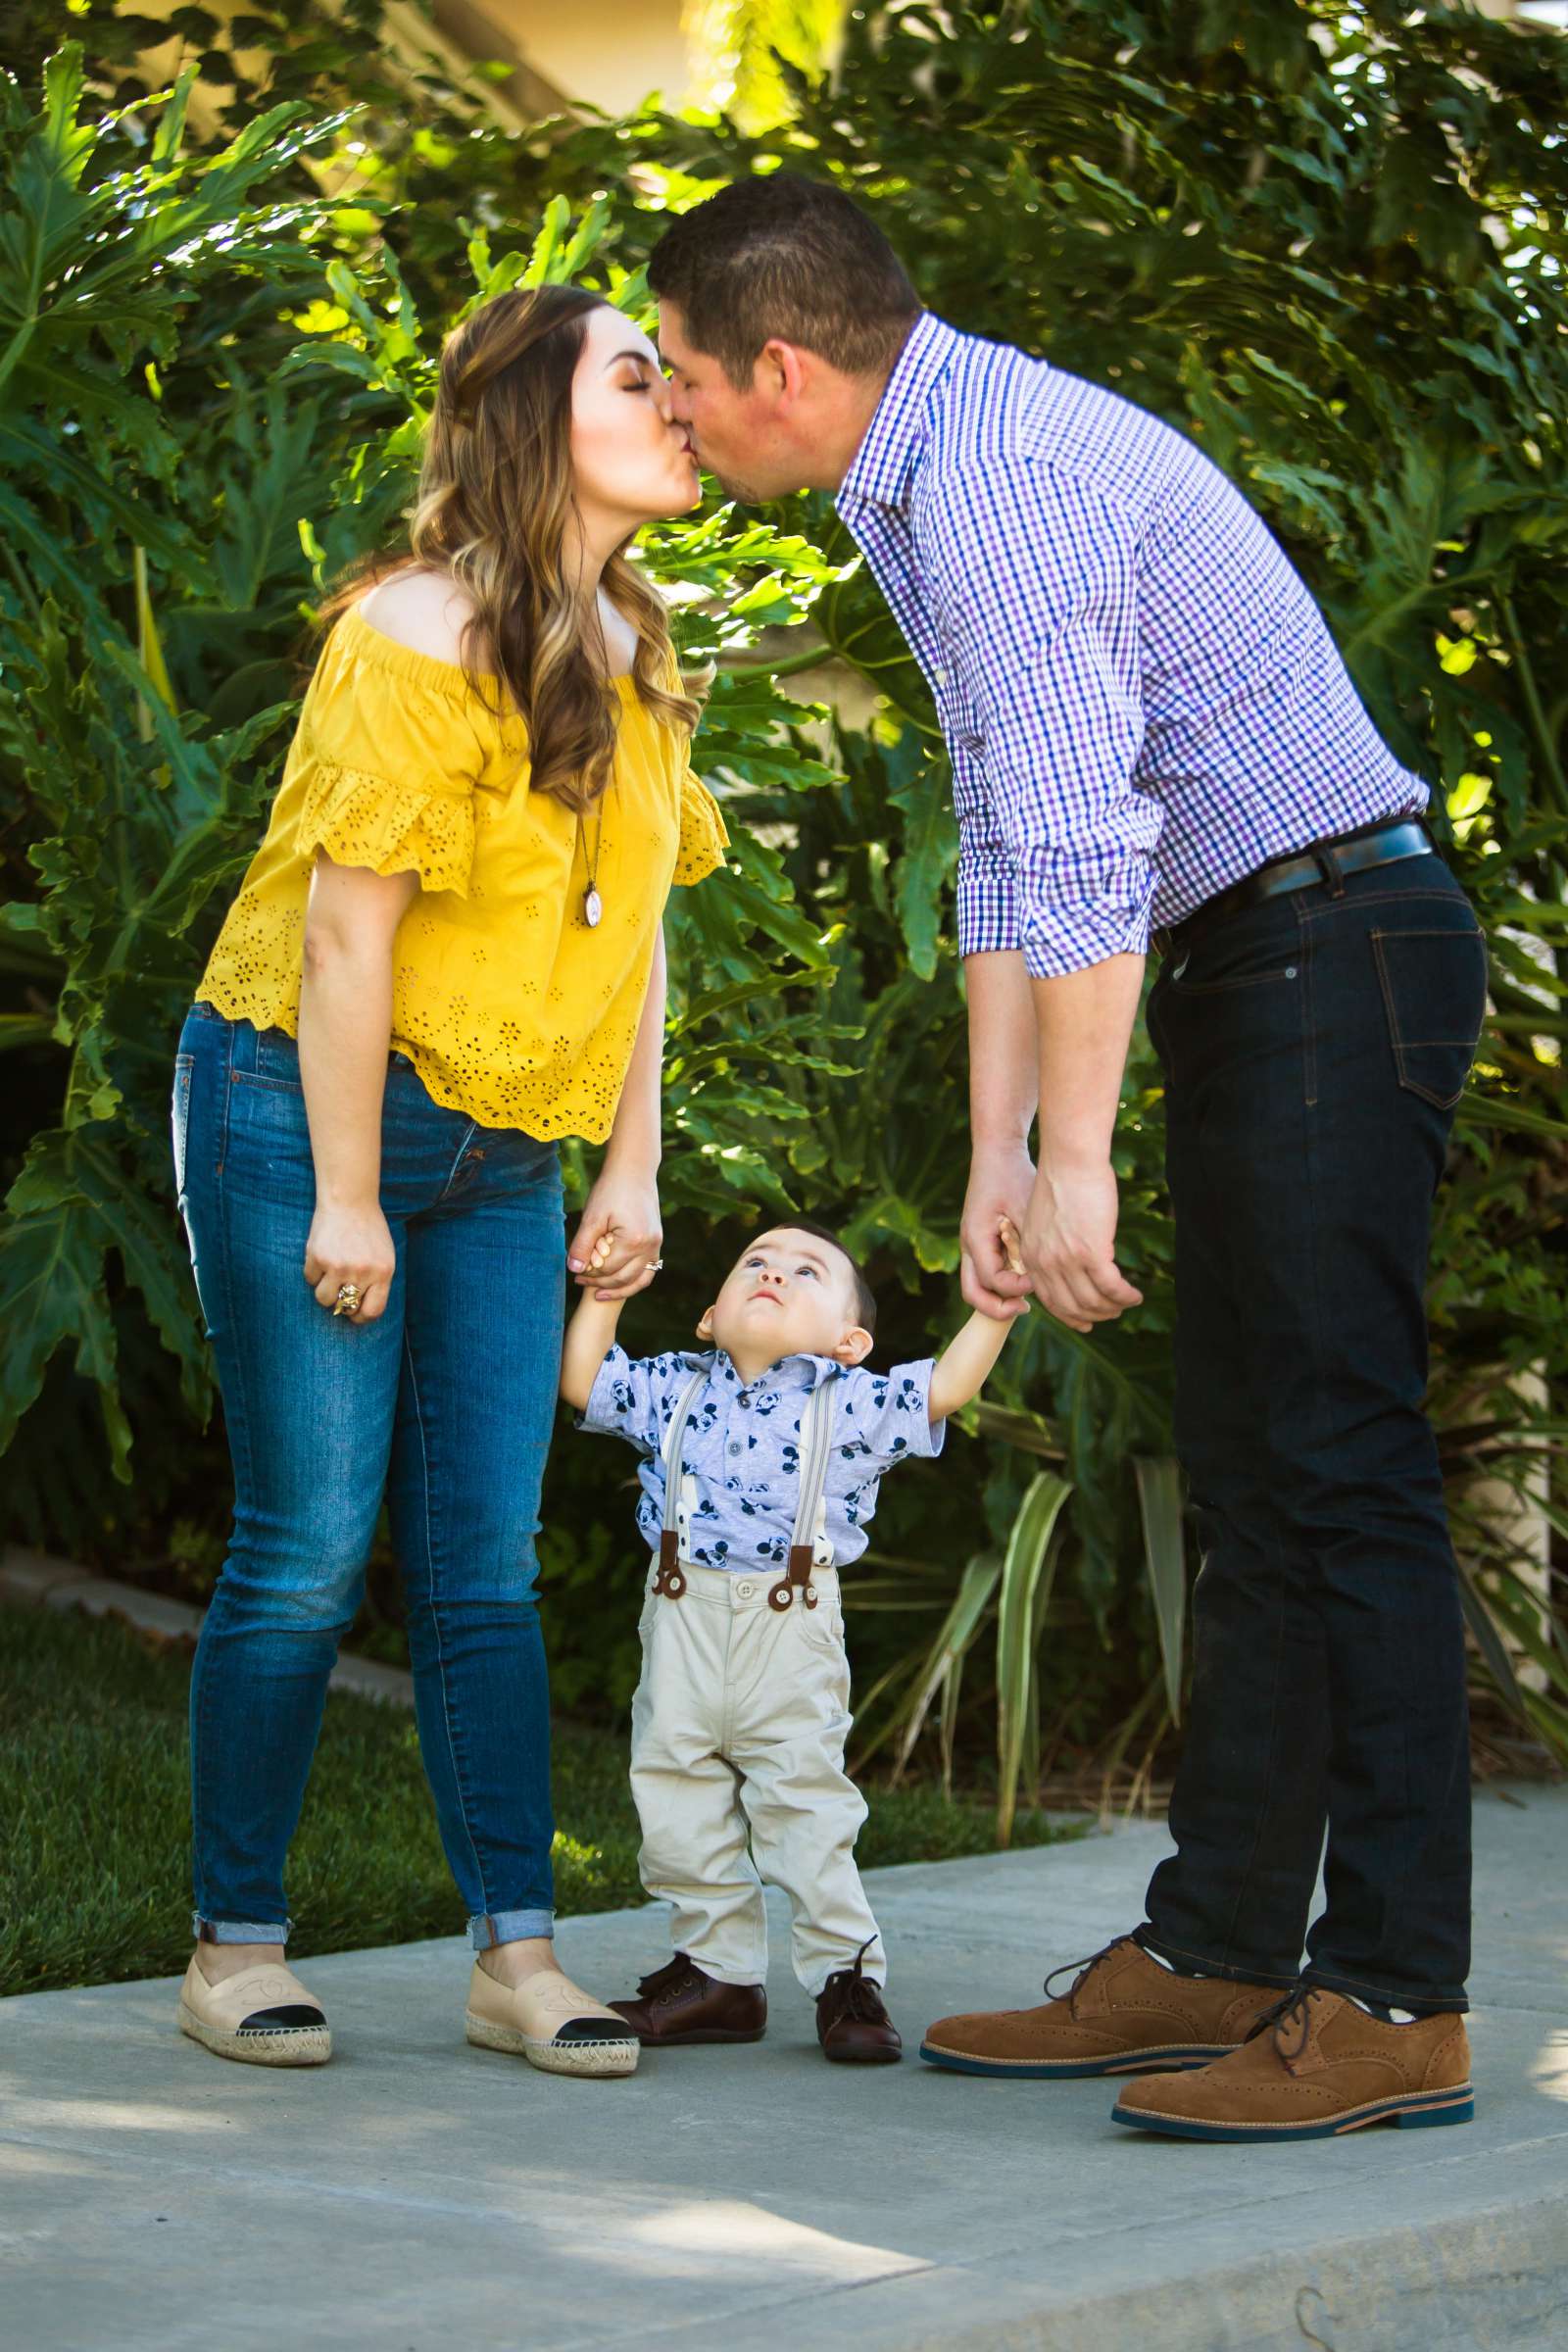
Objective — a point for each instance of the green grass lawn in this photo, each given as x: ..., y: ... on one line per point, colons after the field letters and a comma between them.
x: 95, y: 1862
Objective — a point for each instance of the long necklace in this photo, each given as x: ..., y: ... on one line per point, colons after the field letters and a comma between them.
x: 593, y: 905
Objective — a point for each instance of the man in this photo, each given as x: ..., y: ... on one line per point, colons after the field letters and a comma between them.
x: 1152, y: 734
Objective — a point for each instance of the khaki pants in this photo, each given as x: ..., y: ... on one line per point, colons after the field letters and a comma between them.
x: 738, y: 1727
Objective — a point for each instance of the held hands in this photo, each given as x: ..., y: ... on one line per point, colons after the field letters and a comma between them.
x: 1068, y: 1246
x: 614, y: 1251
x: 350, y: 1248
x: 992, y: 1279
x: 1051, y: 1234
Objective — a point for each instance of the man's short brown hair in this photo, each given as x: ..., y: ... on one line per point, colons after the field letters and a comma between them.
x: 786, y: 256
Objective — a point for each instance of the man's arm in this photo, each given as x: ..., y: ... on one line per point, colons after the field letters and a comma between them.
x: 1085, y: 1019
x: 1004, y: 1089
x: 1037, y: 576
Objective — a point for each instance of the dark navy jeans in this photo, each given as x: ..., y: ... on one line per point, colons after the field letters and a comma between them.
x: 1314, y: 1047
x: 444, y: 1405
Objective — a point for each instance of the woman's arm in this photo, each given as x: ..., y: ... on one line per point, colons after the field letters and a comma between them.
x: 618, y: 1239
x: 345, y: 1028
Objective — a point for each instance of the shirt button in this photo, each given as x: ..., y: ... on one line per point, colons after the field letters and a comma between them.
x: 744, y: 1591
x: 745, y: 1405
x: 734, y: 1446
x: 940, y: 676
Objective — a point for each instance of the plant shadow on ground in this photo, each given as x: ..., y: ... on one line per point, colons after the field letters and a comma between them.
x: 95, y: 1789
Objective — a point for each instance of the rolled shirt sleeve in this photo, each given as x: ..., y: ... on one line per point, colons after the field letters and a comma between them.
x: 987, y: 900
x: 1035, y: 581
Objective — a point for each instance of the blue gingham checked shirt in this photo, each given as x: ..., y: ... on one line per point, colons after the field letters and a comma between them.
x: 743, y: 1445
x: 1141, y: 701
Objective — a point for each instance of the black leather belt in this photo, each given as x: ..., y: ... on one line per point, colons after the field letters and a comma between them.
x: 1325, y: 863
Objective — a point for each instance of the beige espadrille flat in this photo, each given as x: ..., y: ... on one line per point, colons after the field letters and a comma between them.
x: 262, y: 2016
x: 552, y: 2022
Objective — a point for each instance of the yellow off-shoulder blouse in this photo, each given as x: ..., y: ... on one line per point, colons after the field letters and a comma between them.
x: 511, y: 1007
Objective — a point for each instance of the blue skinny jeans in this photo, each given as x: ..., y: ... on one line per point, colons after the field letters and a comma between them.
x: 444, y: 1405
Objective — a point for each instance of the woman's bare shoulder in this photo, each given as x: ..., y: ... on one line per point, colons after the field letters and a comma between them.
x: 425, y: 610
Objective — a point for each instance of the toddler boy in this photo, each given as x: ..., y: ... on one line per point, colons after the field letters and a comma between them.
x: 761, y: 1465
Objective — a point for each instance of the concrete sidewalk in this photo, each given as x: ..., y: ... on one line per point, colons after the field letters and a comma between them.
x: 418, y: 2195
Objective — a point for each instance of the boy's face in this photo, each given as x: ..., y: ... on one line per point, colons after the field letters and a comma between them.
x: 788, y: 1294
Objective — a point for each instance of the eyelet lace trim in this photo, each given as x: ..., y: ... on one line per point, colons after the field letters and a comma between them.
x: 362, y: 820
x: 704, y: 838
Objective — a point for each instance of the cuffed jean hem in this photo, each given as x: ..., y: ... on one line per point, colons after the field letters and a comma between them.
x: 1392, y: 1996
x: 1198, y: 1964
x: 488, y: 1928
x: 239, y: 1931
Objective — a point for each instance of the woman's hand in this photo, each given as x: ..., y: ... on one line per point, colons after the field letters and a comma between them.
x: 351, y: 1246
x: 614, y: 1251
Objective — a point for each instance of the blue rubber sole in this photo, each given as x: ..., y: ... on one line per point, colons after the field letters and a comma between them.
x: 1445, y: 2107
x: 1164, y: 2061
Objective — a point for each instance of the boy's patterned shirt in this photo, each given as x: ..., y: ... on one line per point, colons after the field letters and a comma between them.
x: 743, y: 1445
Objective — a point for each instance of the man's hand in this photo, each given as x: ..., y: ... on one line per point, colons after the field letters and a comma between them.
x: 1000, y: 1187
x: 1069, y: 1247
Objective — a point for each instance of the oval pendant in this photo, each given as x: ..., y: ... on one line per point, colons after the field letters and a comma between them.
x: 593, y: 907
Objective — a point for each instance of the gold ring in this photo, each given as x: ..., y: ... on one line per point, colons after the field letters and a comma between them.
x: 348, y: 1298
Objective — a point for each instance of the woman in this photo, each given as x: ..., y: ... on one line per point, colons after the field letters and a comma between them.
x: 446, y: 954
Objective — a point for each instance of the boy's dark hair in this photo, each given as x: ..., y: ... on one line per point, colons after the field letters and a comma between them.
x: 865, y: 1301
x: 779, y: 255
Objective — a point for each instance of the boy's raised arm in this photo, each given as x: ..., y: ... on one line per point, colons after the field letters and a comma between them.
x: 590, y: 1336
x: 965, y: 1363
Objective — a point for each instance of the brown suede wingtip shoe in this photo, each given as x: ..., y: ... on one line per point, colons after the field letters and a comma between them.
x: 1123, y: 2015
x: 1319, y: 2067
x: 680, y: 2004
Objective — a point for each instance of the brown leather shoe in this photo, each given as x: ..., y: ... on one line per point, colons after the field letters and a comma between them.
x: 1318, y: 2067
x: 852, y: 2020
x: 680, y: 2003
x: 1124, y: 2015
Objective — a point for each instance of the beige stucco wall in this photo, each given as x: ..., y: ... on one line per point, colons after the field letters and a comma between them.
x: 609, y: 52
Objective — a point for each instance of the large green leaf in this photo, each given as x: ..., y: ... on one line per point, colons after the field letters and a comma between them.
x: 1027, y: 1565
x: 1159, y: 1501
x: 943, y: 1662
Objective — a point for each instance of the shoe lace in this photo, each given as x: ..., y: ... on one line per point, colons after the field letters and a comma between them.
x: 666, y: 1984
x: 1083, y: 1967
x: 854, y: 1993
x: 1291, y: 2009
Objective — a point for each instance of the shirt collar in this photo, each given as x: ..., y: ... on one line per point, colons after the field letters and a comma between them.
x: 881, y: 469
x: 789, y: 1372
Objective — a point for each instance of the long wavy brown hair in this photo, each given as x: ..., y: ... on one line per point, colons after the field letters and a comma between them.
x: 496, y: 495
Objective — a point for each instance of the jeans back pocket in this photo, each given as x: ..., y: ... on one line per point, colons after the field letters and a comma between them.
x: 1433, y: 986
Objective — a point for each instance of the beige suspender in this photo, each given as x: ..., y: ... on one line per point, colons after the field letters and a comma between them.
x: 808, y: 1543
